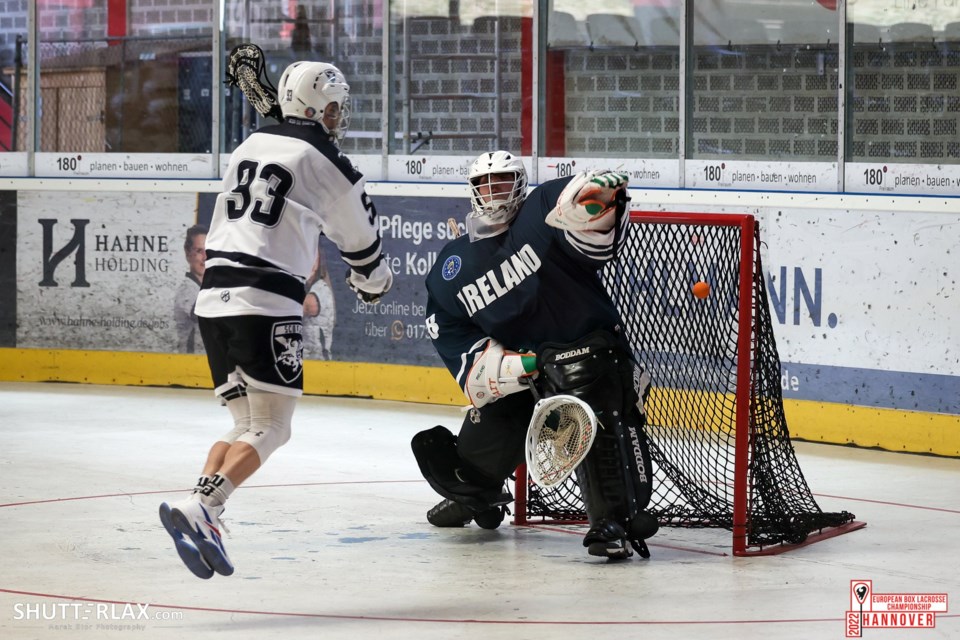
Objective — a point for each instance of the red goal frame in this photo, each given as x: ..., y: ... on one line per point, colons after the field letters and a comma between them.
x: 750, y: 293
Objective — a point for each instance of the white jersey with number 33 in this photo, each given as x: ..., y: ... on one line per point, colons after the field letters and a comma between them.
x: 285, y: 185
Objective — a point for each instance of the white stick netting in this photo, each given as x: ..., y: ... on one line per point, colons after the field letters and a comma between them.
x: 560, y: 435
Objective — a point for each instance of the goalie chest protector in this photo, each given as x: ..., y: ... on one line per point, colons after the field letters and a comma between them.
x: 523, y: 287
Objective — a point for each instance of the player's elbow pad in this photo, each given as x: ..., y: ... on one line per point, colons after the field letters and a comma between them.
x: 496, y: 373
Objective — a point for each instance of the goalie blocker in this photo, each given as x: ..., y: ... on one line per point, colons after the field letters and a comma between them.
x: 615, y: 477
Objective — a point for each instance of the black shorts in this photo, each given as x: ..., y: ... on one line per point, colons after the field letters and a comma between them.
x: 268, y: 351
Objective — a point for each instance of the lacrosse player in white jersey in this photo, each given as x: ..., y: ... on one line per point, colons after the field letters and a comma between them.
x: 285, y: 185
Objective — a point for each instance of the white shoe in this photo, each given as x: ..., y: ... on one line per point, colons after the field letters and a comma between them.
x: 185, y: 547
x: 201, y: 523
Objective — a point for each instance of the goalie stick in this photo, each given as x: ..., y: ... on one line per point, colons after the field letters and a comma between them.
x: 559, y: 437
x: 247, y: 69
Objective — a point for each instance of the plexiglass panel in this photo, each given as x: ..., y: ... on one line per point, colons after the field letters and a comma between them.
x: 765, y: 79
x: 133, y: 81
x: 346, y: 33
x: 461, y: 77
x: 904, y: 102
x: 13, y: 78
x: 612, y: 79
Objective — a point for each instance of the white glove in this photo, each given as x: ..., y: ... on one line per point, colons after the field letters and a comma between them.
x: 497, y: 373
x: 588, y: 202
x: 371, y: 288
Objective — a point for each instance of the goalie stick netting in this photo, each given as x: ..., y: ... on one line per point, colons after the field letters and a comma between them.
x: 718, y: 436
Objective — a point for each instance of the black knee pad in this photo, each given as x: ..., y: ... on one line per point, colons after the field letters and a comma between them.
x: 436, y: 453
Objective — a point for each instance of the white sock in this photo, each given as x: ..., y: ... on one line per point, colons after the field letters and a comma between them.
x: 216, y: 491
x: 201, y: 483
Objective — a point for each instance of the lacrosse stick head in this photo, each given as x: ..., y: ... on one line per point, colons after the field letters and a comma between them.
x: 559, y: 437
x: 247, y: 69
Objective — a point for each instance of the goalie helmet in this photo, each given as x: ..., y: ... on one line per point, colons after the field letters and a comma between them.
x: 498, y: 185
x: 305, y: 90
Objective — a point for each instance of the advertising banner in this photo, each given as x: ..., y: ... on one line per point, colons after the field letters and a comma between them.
x: 643, y: 173
x: 865, y: 306
x: 100, y: 270
x: 863, y: 302
x: 900, y: 179
x: 393, y: 330
x: 8, y: 268
x: 14, y: 163
x: 761, y: 176
x: 124, y: 165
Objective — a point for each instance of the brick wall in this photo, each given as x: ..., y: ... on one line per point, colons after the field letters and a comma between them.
x: 906, y: 103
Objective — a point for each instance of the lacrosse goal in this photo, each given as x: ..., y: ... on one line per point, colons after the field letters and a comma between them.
x: 718, y: 436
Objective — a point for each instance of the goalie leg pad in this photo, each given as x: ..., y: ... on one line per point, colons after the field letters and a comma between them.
x: 450, y: 476
x: 615, y: 483
x: 615, y: 477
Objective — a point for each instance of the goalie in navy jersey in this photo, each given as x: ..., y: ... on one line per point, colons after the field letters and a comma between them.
x: 285, y: 185
x: 519, y: 300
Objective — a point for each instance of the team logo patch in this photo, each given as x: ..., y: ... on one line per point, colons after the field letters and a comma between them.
x: 288, y: 349
x: 451, y: 267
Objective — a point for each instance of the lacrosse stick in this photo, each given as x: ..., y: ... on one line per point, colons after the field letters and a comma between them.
x: 559, y: 437
x: 247, y: 69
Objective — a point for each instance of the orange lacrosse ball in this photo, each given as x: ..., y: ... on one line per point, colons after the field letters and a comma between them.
x: 701, y: 289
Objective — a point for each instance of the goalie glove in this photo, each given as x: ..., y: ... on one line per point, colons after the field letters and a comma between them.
x: 373, y: 287
x: 588, y: 202
x: 497, y: 373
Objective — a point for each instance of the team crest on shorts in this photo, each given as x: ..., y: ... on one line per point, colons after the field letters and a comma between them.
x: 288, y: 350
x: 451, y: 267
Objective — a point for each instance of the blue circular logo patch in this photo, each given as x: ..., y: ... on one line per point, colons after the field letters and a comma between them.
x: 451, y: 267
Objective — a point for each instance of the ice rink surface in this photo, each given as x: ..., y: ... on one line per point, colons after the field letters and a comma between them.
x: 330, y: 538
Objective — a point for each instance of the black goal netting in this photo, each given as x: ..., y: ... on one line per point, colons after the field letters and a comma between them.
x: 693, y: 350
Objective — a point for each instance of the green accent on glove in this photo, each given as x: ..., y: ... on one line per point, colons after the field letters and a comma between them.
x: 611, y: 180
x: 594, y: 208
x: 529, y: 362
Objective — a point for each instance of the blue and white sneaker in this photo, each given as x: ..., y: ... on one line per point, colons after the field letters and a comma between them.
x: 201, y: 524
x: 188, y: 552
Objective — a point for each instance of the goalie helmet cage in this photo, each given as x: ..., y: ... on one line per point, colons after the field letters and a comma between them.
x: 719, y: 441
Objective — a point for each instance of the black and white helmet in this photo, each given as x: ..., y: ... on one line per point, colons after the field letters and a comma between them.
x: 491, y: 217
x: 305, y: 90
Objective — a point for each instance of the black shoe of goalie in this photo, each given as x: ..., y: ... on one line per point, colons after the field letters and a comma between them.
x: 607, y: 539
x: 449, y: 513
